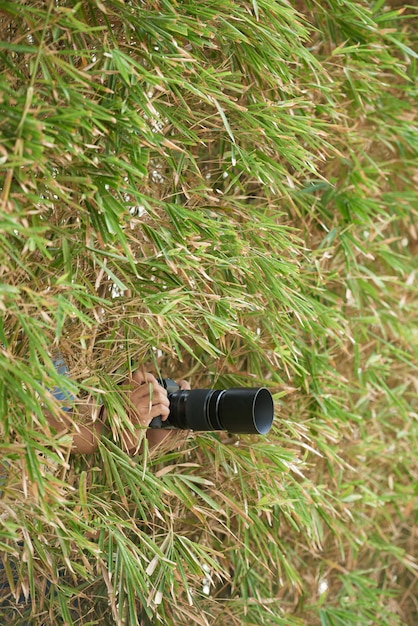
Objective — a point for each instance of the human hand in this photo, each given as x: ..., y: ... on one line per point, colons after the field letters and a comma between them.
x: 183, y: 384
x: 156, y: 436
x: 147, y: 399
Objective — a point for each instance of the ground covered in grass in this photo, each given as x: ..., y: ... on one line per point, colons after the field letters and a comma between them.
x: 224, y: 192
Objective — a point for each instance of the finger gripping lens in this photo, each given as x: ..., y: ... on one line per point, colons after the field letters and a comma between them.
x: 246, y: 411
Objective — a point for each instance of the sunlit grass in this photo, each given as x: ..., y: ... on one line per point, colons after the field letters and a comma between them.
x: 224, y: 192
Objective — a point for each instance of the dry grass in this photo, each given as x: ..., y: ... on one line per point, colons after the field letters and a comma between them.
x: 224, y: 192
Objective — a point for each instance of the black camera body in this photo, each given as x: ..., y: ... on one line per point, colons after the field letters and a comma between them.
x: 241, y: 410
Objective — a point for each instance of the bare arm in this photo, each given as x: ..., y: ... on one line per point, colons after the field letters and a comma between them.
x: 85, y: 428
x: 145, y: 400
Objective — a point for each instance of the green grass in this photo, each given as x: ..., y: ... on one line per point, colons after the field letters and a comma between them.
x: 224, y: 192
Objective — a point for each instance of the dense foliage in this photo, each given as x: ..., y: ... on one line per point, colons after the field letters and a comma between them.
x: 226, y: 192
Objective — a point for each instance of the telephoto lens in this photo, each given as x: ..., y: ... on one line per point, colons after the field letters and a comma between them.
x: 242, y: 410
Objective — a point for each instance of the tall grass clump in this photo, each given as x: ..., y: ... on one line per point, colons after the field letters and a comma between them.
x: 224, y: 192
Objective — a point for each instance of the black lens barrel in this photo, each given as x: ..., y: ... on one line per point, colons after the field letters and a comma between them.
x: 249, y: 411
x: 246, y: 410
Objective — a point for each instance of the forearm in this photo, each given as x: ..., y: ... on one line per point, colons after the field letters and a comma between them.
x: 85, y: 427
x: 156, y: 436
x: 145, y: 399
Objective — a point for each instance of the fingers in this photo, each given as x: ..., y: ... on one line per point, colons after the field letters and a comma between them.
x: 144, y: 377
x: 151, y: 393
x: 184, y: 384
x: 144, y: 413
x: 148, y: 399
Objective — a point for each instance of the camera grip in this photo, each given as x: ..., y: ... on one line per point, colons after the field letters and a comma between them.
x: 156, y: 422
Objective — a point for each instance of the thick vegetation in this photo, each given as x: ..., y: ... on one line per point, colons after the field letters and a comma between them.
x: 224, y: 192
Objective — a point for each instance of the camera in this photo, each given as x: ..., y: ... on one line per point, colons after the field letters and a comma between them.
x: 241, y: 410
